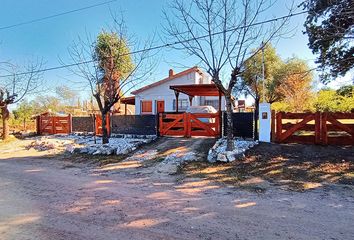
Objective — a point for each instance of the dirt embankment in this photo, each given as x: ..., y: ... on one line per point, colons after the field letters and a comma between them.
x: 295, y: 166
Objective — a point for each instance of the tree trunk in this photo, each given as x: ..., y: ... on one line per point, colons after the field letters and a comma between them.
x: 105, y: 137
x: 256, y: 116
x: 229, y: 124
x: 5, y: 122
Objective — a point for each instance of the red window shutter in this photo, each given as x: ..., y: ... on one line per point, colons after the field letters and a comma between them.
x: 146, y: 106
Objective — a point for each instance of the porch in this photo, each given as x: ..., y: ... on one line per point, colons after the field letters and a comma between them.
x: 188, y: 124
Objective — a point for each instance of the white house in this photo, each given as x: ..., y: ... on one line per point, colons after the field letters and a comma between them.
x: 158, y: 97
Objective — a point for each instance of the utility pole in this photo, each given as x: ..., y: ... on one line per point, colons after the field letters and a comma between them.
x: 264, y: 109
x: 263, y: 72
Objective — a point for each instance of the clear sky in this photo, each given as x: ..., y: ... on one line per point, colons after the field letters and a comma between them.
x: 50, y: 39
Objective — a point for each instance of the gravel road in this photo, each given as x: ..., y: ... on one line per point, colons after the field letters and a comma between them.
x: 47, y: 198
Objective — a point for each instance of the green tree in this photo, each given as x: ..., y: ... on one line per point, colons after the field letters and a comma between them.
x: 252, y: 82
x: 112, y: 70
x: 23, y: 113
x: 45, y: 103
x: 329, y: 100
x: 346, y: 91
x: 14, y: 87
x: 330, y: 28
x: 115, y: 64
x: 112, y: 53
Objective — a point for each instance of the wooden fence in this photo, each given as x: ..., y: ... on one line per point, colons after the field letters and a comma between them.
x: 189, y: 124
x: 313, y: 128
x: 47, y: 124
x: 98, y: 124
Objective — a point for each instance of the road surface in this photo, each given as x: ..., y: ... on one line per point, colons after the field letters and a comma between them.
x: 48, y: 198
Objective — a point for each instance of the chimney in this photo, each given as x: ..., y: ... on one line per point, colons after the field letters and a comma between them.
x: 170, y: 73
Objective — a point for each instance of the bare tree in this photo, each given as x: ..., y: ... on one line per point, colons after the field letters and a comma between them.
x: 15, y: 84
x: 222, y: 34
x: 111, y: 66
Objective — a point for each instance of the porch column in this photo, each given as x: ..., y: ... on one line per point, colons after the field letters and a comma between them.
x: 190, y: 100
x: 125, y: 109
x: 219, y: 101
x: 176, y: 94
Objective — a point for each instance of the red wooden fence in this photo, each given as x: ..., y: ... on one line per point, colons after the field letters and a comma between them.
x: 189, y: 124
x: 47, y: 124
x: 98, y: 124
x: 313, y: 128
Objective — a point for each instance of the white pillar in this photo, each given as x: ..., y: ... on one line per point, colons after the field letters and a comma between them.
x: 264, y: 122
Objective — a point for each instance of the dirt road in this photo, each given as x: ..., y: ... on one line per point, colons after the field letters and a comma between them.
x: 48, y: 198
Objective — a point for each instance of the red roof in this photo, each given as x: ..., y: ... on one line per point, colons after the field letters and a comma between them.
x: 128, y: 100
x: 197, y: 89
x: 169, y: 78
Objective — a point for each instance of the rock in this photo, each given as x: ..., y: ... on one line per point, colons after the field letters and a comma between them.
x: 218, y: 151
x: 231, y: 156
x: 222, y: 158
x: 69, y: 148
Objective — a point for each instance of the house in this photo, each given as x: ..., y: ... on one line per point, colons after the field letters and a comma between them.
x: 158, y: 97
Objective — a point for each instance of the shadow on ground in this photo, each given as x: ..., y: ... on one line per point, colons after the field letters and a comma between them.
x: 296, y: 166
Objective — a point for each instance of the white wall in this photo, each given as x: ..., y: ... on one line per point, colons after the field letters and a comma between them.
x: 163, y: 92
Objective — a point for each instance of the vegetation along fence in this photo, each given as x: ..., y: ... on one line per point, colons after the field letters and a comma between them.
x: 313, y: 128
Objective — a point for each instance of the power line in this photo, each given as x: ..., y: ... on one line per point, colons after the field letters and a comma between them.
x: 163, y: 45
x: 55, y: 15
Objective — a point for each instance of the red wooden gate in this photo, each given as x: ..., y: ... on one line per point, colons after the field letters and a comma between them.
x: 189, y: 124
x: 47, y: 124
x: 314, y: 128
x: 98, y: 124
x: 337, y: 128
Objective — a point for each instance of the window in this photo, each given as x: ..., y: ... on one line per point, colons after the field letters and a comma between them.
x: 214, y: 103
x: 146, y: 107
x: 182, y: 104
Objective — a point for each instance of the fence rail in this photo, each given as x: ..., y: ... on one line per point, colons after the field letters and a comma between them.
x: 47, y: 124
x: 313, y: 128
x: 189, y: 124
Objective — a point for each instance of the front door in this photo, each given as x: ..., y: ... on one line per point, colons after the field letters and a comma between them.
x: 160, y: 106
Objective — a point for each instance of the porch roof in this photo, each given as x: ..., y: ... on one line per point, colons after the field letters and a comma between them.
x: 197, y: 89
x: 128, y: 100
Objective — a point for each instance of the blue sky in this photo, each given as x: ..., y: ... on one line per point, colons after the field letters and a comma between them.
x: 50, y: 39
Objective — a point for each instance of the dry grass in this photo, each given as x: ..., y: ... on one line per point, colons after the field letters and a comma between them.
x: 298, y: 167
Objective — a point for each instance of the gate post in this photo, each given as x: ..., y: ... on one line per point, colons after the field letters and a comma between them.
x: 53, y: 124
x: 279, y: 127
x: 158, y: 124
x: 264, y: 122
x: 317, y: 128
x: 70, y: 125
x: 38, y: 121
x: 272, y: 135
x: 324, y: 134
x: 187, y: 124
